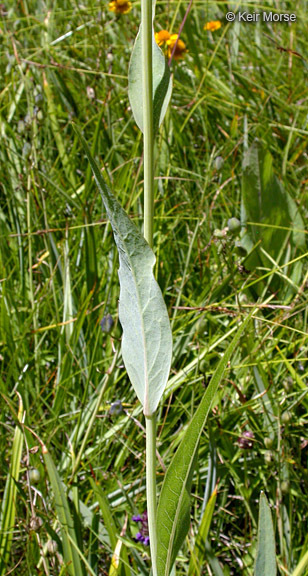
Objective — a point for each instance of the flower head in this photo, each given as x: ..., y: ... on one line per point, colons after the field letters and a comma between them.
x: 161, y: 37
x: 164, y: 37
x: 212, y: 26
x: 120, y: 6
x: 246, y: 440
x: 143, y: 534
x: 180, y: 48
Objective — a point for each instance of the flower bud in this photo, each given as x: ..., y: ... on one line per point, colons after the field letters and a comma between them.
x: 34, y: 476
x: 286, y: 417
x: 234, y: 225
x: 268, y: 442
x: 52, y: 547
x: 35, y: 523
x: 107, y: 323
x: 218, y: 162
x: 246, y: 440
x: 116, y: 408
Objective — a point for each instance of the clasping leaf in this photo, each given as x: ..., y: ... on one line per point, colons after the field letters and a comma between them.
x: 147, y: 338
x: 162, y: 83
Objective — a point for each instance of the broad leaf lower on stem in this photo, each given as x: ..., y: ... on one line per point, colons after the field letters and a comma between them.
x: 147, y: 338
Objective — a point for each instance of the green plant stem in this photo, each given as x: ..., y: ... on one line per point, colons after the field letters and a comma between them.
x: 148, y: 163
x: 148, y: 133
x: 151, y: 486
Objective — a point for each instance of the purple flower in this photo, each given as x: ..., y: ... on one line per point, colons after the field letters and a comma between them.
x: 116, y: 408
x: 143, y: 534
x: 246, y: 440
x: 107, y: 323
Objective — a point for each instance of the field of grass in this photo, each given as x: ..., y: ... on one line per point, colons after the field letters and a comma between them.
x: 239, y: 91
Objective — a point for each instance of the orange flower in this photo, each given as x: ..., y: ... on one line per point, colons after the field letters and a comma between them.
x: 120, y: 6
x: 162, y: 37
x: 180, y: 49
x: 212, y: 26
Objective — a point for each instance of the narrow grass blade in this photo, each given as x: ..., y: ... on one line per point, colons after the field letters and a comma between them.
x: 266, y: 555
x: 199, y: 551
x: 115, y: 561
x: 162, y: 84
x: 301, y: 568
x: 120, y: 562
x: 173, y: 514
x: 106, y: 513
x: 69, y: 539
x: 91, y: 251
x: 8, y: 508
x: 147, y: 338
x: 57, y: 133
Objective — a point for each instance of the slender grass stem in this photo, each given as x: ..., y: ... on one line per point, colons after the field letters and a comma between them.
x: 31, y: 285
x: 151, y: 485
x: 148, y: 135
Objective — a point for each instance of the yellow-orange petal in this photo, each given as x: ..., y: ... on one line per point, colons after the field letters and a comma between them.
x: 180, y: 48
x: 161, y: 37
x: 172, y: 39
x: 212, y: 26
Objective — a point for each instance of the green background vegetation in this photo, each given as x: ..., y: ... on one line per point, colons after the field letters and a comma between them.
x: 68, y: 61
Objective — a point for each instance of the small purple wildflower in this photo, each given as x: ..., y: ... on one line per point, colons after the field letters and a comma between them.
x: 246, y: 440
x: 143, y: 534
x: 116, y: 408
x: 107, y: 323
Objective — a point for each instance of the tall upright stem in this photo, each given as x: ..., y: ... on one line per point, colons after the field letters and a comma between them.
x: 151, y: 486
x: 148, y: 134
x: 148, y: 164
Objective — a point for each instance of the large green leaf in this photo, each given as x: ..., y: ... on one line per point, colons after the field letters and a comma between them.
x: 173, y: 512
x: 266, y: 555
x: 147, y: 338
x: 162, y: 83
x: 272, y: 219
